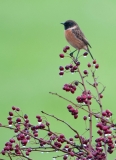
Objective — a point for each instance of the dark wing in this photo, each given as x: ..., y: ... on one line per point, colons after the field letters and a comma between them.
x: 79, y: 34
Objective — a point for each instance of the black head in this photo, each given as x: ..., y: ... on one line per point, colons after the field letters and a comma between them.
x: 69, y: 23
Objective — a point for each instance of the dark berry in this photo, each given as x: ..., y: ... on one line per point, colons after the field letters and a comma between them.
x: 78, y: 63
x: 25, y: 116
x: 67, y: 67
x: 85, y: 54
x: 76, y: 83
x: 97, y: 66
x: 85, y: 72
x: 94, y: 61
x: 13, y: 108
x: 89, y: 65
x: 85, y: 118
x: 61, y: 55
x: 61, y: 73
x: 17, y: 109
x: 67, y: 47
x: 61, y: 68
x: 10, y: 114
x: 64, y: 50
x: 100, y: 95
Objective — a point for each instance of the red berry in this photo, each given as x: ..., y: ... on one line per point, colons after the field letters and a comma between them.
x: 9, y: 118
x: 61, y: 73
x: 78, y: 63
x: 104, y: 113
x: 65, y: 157
x: 69, y: 106
x: 61, y: 68
x: 67, y: 47
x: 71, y: 66
x: 100, y: 95
x: 36, y: 134
x: 85, y: 118
x: 85, y: 54
x: 64, y: 50
x: 67, y: 67
x: 61, y: 136
x: 61, y: 55
x: 13, y: 108
x: 89, y: 65
x: 71, y: 139
x: 17, y: 109
x: 85, y: 72
x: 29, y: 149
x: 10, y: 114
x: 95, y: 84
x: 75, y: 116
x: 97, y: 66
x: 72, y: 154
x: 38, y: 117
x: 18, y: 120
x: 27, y: 153
x: 10, y: 122
x: 12, y: 140
x: 75, y: 67
x: 3, y: 152
x: 89, y: 97
x: 94, y: 61
x: 76, y: 136
x: 25, y: 116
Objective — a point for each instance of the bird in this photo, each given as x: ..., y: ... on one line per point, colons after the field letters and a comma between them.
x: 75, y: 37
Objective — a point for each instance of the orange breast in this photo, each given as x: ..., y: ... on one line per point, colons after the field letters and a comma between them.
x: 75, y: 42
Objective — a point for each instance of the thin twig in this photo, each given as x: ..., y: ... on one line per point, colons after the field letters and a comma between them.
x: 90, y: 121
x: 69, y: 127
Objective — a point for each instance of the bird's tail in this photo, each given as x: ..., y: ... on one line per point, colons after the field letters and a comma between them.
x: 89, y: 52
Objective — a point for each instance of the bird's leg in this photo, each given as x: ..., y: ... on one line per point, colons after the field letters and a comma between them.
x: 77, y: 55
x: 71, y: 54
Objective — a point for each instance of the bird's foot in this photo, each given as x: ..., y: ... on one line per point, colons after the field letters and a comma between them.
x: 71, y: 54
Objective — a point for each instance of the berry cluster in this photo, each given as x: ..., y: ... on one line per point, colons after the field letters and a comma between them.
x: 65, y: 49
x: 85, y: 97
x: 69, y: 88
x: 73, y: 111
x: 94, y: 63
x: 71, y: 68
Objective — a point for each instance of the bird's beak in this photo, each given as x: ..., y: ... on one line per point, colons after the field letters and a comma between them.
x: 62, y: 23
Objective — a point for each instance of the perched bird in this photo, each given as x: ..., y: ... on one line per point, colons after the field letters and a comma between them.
x: 75, y: 37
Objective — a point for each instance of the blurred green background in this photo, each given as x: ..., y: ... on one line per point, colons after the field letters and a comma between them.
x: 31, y: 39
